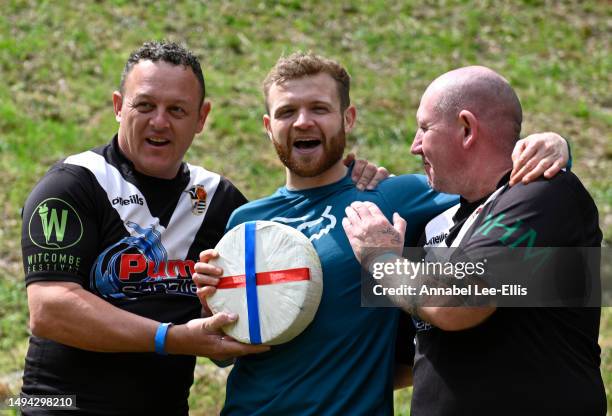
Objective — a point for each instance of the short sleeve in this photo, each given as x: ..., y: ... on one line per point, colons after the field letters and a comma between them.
x: 545, y: 213
x: 534, y: 236
x: 60, y: 227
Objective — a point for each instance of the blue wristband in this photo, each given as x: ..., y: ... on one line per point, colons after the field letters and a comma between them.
x: 160, y: 338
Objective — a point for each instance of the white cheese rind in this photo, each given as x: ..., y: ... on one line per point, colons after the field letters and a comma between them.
x: 285, y: 309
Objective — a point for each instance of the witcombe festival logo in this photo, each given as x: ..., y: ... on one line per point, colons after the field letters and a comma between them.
x: 316, y: 228
x: 138, y: 265
x: 198, y: 199
x: 55, y: 225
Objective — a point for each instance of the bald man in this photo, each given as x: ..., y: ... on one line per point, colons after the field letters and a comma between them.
x: 488, y: 360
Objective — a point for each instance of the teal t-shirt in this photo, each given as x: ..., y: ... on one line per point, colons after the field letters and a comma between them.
x: 342, y: 364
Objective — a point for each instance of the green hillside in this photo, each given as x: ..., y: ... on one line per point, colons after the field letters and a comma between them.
x: 60, y: 62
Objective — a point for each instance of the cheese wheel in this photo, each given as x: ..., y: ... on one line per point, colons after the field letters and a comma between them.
x: 289, y: 283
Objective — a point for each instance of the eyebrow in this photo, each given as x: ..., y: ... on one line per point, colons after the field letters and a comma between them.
x: 420, y: 119
x: 283, y: 107
x: 316, y: 102
x: 322, y: 102
x: 150, y: 97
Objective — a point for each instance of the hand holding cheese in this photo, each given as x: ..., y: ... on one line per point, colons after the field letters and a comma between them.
x: 269, y: 274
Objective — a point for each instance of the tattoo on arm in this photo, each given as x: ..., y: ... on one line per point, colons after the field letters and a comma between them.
x: 395, y: 239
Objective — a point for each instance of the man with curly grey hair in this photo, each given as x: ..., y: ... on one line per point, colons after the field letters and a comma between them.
x: 109, y: 239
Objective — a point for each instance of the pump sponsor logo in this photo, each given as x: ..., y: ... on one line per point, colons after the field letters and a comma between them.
x: 138, y: 265
x: 55, y: 225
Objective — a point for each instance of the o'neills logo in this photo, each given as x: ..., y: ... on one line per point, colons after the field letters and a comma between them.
x: 436, y: 239
x: 132, y: 199
x: 198, y: 199
x: 138, y: 265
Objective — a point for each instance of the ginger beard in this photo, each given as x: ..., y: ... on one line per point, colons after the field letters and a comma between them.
x: 311, y: 165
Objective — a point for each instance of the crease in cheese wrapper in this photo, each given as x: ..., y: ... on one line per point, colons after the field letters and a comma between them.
x: 285, y: 308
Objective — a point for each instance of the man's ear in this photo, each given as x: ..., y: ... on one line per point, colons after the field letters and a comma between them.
x: 267, y: 126
x: 350, y: 116
x: 204, y: 111
x: 117, y: 105
x: 469, y: 124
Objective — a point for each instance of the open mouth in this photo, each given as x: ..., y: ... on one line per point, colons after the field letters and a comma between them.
x: 305, y: 144
x: 156, y: 141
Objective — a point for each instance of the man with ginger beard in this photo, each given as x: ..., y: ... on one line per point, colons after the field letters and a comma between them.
x: 110, y: 236
x: 343, y: 363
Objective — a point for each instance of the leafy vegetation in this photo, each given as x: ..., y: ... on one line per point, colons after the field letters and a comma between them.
x: 60, y: 61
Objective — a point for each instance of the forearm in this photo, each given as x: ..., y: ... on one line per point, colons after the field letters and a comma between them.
x: 66, y: 313
x: 447, y: 312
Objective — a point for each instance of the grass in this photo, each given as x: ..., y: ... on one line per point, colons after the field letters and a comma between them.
x: 60, y: 62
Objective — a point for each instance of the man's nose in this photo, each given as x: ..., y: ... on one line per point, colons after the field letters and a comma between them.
x: 303, y: 121
x: 159, y: 120
x: 417, y: 144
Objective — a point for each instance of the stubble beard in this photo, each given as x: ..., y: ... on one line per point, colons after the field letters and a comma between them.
x: 309, y: 167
